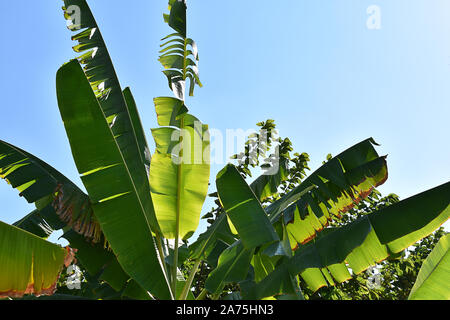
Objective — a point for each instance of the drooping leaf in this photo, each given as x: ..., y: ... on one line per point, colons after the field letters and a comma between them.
x: 28, y: 264
x: 433, y: 280
x: 116, y: 198
x: 278, y: 283
x: 241, y: 265
x: 271, y: 271
x: 59, y: 201
x: 365, y: 242
x: 65, y: 206
x: 212, y: 257
x: 332, y: 190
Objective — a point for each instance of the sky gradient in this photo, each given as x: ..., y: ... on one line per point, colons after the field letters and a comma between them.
x: 313, y: 66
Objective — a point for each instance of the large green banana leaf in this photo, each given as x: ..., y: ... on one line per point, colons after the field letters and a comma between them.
x: 179, y: 54
x: 362, y: 243
x: 58, y: 200
x: 433, y: 280
x: 28, y: 264
x: 122, y: 118
x: 332, y: 190
x: 179, y: 171
x: 116, y: 198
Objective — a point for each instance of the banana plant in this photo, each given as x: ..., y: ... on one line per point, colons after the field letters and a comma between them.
x: 322, y: 256
x: 109, y: 149
x: 306, y: 247
x: 135, y: 203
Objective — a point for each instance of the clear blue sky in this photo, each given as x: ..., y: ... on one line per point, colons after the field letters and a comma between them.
x: 312, y: 66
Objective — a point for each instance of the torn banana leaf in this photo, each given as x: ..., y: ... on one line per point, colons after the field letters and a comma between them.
x: 59, y: 201
x: 332, y: 190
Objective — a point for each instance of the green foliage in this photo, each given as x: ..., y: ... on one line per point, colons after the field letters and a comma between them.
x: 391, y: 279
x: 358, y: 286
x: 434, y: 275
x: 283, y: 236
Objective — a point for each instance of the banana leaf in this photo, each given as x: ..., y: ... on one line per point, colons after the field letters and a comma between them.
x: 28, y: 263
x: 116, y: 198
x: 121, y: 117
x: 206, y: 242
x: 64, y: 206
x: 433, y: 280
x: 329, y: 192
x: 179, y: 54
x: 35, y: 224
x: 244, y: 209
x: 179, y: 171
x: 363, y: 243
